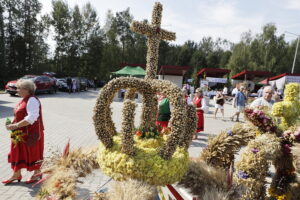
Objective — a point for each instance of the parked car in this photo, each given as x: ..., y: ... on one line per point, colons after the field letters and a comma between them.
x: 43, y: 84
x: 101, y: 83
x: 51, y: 74
x: 82, y: 84
x: 90, y: 83
x: 61, y: 84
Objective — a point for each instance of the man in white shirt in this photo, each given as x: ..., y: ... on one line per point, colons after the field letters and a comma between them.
x: 264, y: 101
x: 234, y: 91
x: 225, y: 91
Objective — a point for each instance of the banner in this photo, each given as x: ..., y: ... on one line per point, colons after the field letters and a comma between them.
x: 204, y: 84
x: 216, y: 80
x: 293, y: 79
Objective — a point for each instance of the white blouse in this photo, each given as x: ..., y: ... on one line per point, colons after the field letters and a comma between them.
x: 203, y: 103
x: 33, y: 110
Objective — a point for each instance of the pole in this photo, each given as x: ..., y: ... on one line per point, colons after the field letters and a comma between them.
x: 295, y: 55
x: 294, y: 62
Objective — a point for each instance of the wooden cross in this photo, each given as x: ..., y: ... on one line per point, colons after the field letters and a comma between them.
x: 154, y: 34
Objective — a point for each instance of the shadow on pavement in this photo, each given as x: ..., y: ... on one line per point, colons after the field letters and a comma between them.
x: 33, y: 191
x: 90, y: 94
x: 197, y: 143
x: 202, y: 139
x: 203, y: 134
x: 6, y: 111
x: 4, y: 102
x: 83, y: 193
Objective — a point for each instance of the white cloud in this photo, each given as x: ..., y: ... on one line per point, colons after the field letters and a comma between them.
x: 218, y: 11
x: 213, y: 18
x: 292, y: 4
x: 194, y: 19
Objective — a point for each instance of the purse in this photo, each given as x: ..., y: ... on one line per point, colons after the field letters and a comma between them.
x: 220, y: 102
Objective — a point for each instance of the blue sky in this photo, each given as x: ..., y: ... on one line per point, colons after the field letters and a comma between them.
x: 194, y: 19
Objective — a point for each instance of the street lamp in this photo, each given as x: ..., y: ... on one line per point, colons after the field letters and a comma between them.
x: 298, y: 36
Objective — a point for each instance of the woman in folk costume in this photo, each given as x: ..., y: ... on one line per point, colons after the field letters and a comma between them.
x: 200, y: 104
x: 164, y: 112
x: 28, y: 151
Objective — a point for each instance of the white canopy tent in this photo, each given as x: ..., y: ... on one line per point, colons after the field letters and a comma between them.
x: 282, y: 79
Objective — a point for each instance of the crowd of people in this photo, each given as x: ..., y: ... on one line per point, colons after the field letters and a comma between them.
x: 238, y: 98
x: 197, y: 99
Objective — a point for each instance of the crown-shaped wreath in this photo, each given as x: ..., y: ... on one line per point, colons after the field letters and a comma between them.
x: 158, y: 161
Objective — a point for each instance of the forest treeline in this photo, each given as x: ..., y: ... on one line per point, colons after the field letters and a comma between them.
x: 84, y: 47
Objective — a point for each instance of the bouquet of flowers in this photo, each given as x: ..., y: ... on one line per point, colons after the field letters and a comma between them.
x: 292, y: 135
x: 261, y: 120
x: 289, y: 137
x: 15, y: 135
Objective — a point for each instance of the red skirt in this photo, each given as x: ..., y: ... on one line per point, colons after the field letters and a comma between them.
x: 161, y: 124
x: 200, y: 124
x: 28, y: 157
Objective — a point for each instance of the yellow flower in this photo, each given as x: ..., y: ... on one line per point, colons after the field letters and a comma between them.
x: 289, y: 109
x: 257, y: 133
x: 146, y: 165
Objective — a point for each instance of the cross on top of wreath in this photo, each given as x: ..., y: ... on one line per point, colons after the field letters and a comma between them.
x: 154, y: 33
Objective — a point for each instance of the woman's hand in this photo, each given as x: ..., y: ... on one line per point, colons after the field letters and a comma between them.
x: 12, y: 127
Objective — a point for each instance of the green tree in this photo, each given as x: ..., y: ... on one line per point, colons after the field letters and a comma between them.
x: 122, y: 22
x: 13, y: 8
x: 2, y: 47
x: 111, y: 47
x: 30, y: 30
x: 238, y: 59
x: 76, y: 39
x: 186, y: 52
x: 61, y: 21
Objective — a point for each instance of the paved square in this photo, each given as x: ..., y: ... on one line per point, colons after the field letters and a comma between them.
x: 69, y: 116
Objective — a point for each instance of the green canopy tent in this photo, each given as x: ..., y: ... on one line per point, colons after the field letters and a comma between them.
x: 130, y: 71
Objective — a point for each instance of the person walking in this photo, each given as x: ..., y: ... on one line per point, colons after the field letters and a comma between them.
x: 219, y: 104
x: 69, y: 84
x: 26, y: 152
x: 234, y: 91
x: 74, y: 85
x: 239, y: 103
x: 200, y: 104
x: 225, y: 91
x: 95, y: 83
